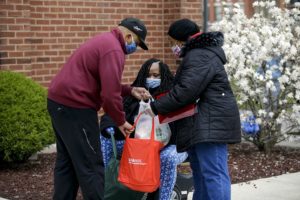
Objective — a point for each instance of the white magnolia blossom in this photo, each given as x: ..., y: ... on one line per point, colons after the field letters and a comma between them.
x: 279, y: 120
x: 263, y: 54
x: 241, y: 102
x: 297, y: 95
x: 262, y: 113
x: 290, y: 95
x: 296, y: 108
x: 271, y: 114
x: 274, y: 88
x: 269, y: 84
x: 297, y: 30
x: 252, y: 93
x: 284, y: 79
x: 258, y: 120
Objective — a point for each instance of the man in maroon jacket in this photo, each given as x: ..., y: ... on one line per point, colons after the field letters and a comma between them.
x: 89, y: 80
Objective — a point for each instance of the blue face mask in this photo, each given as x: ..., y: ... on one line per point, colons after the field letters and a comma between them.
x: 130, y: 48
x: 152, y: 82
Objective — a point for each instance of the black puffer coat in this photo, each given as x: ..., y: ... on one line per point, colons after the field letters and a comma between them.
x: 201, y: 78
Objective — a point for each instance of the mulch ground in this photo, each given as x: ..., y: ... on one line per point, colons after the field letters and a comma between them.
x: 34, y: 179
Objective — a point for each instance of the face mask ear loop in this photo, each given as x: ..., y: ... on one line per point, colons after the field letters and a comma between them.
x: 132, y: 40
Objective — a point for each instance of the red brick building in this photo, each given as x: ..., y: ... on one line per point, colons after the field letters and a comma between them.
x: 37, y: 36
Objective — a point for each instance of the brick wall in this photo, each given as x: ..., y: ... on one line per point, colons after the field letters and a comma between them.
x: 37, y: 36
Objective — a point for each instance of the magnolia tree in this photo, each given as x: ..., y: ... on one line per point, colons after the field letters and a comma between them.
x: 263, y: 66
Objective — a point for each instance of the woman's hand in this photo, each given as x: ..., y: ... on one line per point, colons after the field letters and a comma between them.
x: 140, y: 93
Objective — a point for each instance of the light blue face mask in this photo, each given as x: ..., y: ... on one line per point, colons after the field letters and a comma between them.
x: 130, y: 48
x: 152, y: 82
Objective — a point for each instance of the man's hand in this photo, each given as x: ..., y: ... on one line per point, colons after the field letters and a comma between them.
x: 126, y: 129
x: 140, y: 93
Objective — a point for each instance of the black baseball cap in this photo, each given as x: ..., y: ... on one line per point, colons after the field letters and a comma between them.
x: 137, y: 27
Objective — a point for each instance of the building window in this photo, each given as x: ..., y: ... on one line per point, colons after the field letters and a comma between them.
x: 216, y: 8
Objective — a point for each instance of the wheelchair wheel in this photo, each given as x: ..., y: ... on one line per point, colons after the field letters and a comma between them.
x: 176, y: 194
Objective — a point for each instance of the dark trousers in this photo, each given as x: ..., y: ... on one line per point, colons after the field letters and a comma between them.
x: 154, y: 195
x: 79, y: 159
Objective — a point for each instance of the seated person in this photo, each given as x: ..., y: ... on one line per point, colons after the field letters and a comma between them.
x: 155, y: 76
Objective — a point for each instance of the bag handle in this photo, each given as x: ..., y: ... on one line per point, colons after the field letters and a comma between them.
x: 152, y: 129
x: 113, y: 141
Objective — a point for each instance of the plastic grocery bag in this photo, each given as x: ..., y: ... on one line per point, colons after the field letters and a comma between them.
x: 143, y: 127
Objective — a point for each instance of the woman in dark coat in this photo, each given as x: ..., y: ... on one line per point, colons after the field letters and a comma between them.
x: 155, y: 76
x: 202, y: 80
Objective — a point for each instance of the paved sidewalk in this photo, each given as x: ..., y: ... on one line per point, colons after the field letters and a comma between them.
x: 283, y: 187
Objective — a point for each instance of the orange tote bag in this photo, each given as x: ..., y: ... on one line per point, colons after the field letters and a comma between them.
x: 140, y: 163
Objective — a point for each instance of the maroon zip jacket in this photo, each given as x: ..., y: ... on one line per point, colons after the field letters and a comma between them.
x: 91, y: 78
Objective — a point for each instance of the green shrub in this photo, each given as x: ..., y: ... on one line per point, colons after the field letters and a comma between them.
x: 25, y: 125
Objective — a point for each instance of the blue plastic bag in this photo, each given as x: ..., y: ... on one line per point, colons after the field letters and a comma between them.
x: 250, y: 126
